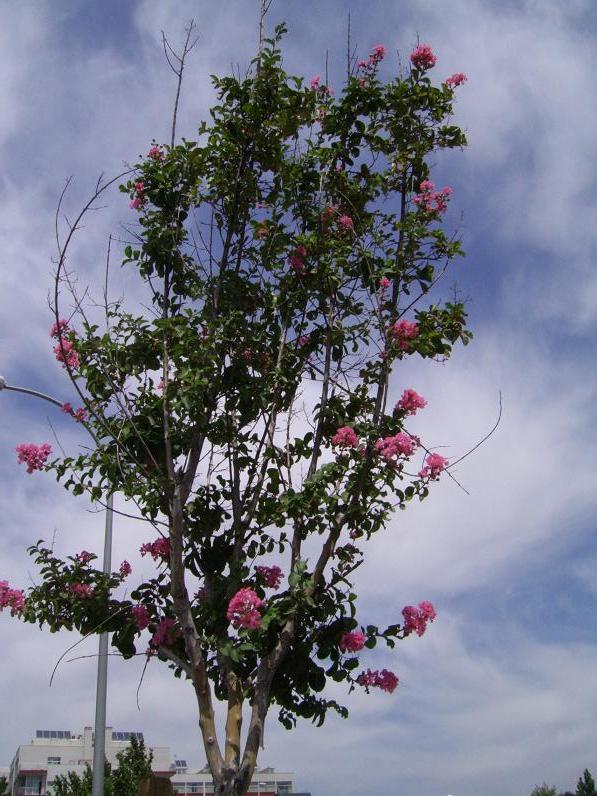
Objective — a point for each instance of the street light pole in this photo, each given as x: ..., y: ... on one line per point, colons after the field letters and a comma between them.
x: 99, y: 748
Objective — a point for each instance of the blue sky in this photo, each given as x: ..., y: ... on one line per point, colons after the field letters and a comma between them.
x: 501, y: 693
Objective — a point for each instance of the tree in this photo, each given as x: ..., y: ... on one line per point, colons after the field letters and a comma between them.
x: 544, y: 790
x: 3, y: 786
x: 586, y: 785
x: 290, y: 248
x: 134, y: 764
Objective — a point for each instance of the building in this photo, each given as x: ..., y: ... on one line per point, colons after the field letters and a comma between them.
x: 266, y: 781
x: 53, y: 752
x: 56, y: 752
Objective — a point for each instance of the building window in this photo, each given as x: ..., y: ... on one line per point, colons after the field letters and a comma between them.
x: 53, y: 761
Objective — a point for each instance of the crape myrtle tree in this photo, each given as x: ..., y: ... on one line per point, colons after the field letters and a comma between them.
x: 291, y: 248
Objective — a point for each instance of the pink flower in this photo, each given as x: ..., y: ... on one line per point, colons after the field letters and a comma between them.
x: 84, y: 557
x: 303, y: 340
x: 410, y: 402
x: 82, y: 590
x: 362, y: 82
x: 125, y: 569
x: 384, y: 283
x: 390, y: 448
x: 329, y: 212
x: 136, y: 203
x: 141, y: 616
x: 138, y: 199
x: 297, y: 260
x: 58, y: 329
x: 158, y: 549
x: 270, y: 576
x: 378, y: 52
x: 415, y: 619
x: 383, y: 355
x: 11, y: 598
x: 345, y: 437
x: 403, y: 331
x: 315, y: 82
x: 80, y: 415
x: 65, y: 353
x: 385, y: 680
x: 167, y: 632
x: 34, y: 456
x: 352, y: 642
x: 434, y: 465
x: 139, y: 187
x: 155, y: 153
x: 247, y: 355
x: 243, y: 609
x: 346, y: 223
x: 422, y: 57
x: 430, y: 200
x: 457, y: 79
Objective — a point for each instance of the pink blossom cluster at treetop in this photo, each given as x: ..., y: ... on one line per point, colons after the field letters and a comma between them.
x: 422, y: 57
x: 430, y: 200
x: 402, y: 332
x: 410, y: 402
x: 270, y: 576
x: 303, y: 340
x: 384, y: 283
x: 243, y: 609
x: 80, y: 415
x: 345, y: 437
x: 34, y: 456
x: 82, y: 590
x: 11, y: 598
x: 138, y: 199
x: 385, y: 680
x: 434, y: 465
x: 155, y: 153
x: 353, y: 641
x: 84, y: 557
x: 376, y: 55
x: 416, y: 618
x: 457, y: 79
x: 391, y: 448
x: 141, y: 616
x: 158, y: 549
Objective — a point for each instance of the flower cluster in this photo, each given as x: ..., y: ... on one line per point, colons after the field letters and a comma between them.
x: 34, y: 456
x: 59, y: 328
x: 11, y: 598
x: 80, y: 415
x: 422, y: 57
x: 158, y: 549
x: 316, y: 85
x: 166, y: 633
x: 376, y: 55
x: 84, y: 557
x: 297, y: 260
x: 155, y: 153
x: 82, y: 590
x: 345, y: 223
x: 457, y: 79
x: 141, y: 616
x: 303, y: 340
x: 434, y: 465
x: 345, y: 437
x: 125, y: 569
x: 270, y: 576
x: 384, y: 284
x: 352, y: 642
x: 65, y: 353
x: 328, y: 213
x: 385, y: 680
x: 138, y: 199
x: 402, y: 332
x: 243, y: 609
x: 430, y: 200
x: 390, y: 448
x: 415, y: 619
x: 410, y: 402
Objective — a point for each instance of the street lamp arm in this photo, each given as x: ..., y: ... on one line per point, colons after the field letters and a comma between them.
x: 26, y: 391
